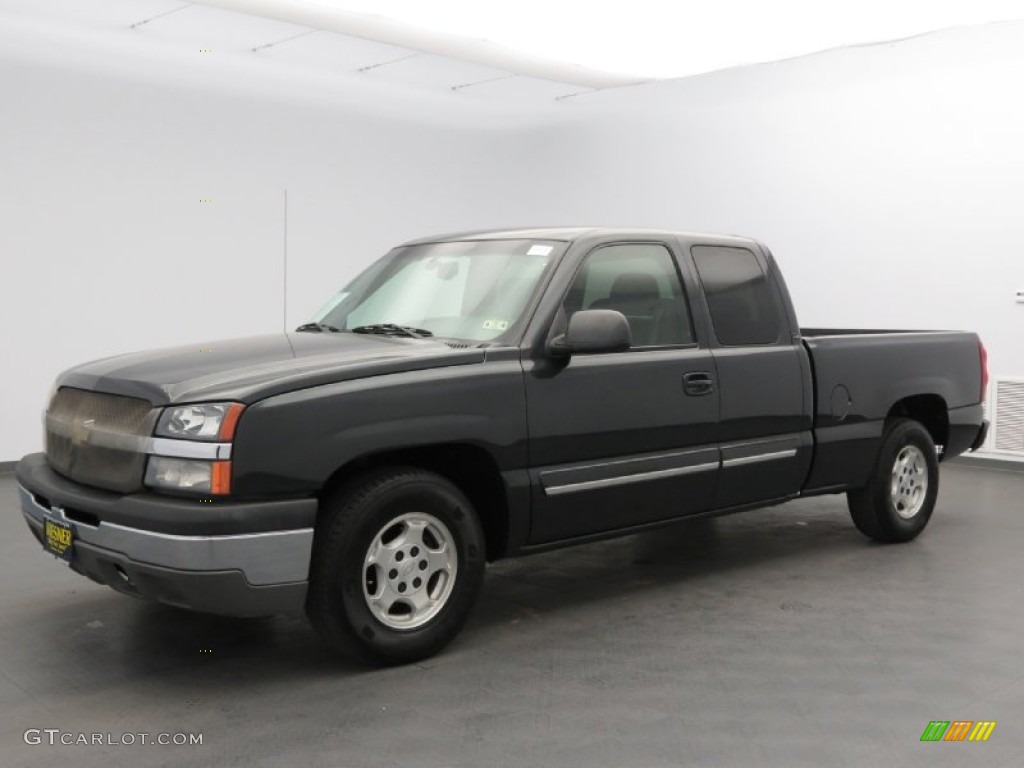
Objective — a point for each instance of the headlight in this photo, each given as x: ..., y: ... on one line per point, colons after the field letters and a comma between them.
x: 195, y: 459
x: 206, y: 421
x: 212, y: 477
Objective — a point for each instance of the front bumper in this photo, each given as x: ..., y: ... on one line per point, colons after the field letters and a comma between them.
x: 230, y: 558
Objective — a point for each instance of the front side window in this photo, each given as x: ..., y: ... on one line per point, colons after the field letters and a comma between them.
x: 470, y: 290
x: 742, y: 305
x: 640, y: 281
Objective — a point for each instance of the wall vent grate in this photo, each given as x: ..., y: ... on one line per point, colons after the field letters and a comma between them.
x: 1008, y: 423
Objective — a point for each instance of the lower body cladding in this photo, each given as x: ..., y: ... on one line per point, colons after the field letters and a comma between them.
x: 237, y: 574
x: 649, y: 488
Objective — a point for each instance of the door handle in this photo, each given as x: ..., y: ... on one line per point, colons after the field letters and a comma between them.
x: 698, y: 383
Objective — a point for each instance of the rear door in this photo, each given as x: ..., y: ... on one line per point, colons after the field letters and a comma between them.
x: 626, y: 438
x: 762, y: 370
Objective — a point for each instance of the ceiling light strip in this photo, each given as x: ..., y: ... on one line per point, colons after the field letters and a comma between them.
x: 138, y: 24
x: 565, y: 96
x: 483, y: 82
x: 382, y: 30
x: 285, y: 40
x: 368, y: 67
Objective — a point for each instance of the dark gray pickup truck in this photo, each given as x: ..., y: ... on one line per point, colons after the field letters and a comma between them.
x: 478, y: 396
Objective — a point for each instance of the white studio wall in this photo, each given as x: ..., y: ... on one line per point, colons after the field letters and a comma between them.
x: 886, y: 179
x: 142, y: 199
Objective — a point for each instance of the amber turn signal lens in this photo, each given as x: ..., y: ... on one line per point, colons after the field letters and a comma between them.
x: 220, y: 479
x: 230, y: 422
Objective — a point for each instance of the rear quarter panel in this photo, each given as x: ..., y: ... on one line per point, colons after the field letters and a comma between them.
x: 860, y: 377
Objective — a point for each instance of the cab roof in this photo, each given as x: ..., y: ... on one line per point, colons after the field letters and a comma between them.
x: 571, y: 234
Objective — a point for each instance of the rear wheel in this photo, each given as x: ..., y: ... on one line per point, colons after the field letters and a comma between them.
x: 397, y: 565
x: 898, y: 500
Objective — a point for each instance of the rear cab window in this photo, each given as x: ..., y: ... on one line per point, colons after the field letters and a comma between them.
x: 743, y: 306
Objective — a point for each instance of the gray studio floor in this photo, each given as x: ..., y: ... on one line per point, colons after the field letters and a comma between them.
x: 772, y: 638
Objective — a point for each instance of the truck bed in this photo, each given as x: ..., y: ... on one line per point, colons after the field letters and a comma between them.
x: 859, y: 374
x: 816, y: 332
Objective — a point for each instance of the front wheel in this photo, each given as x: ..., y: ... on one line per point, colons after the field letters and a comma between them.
x: 397, y: 565
x: 898, y: 500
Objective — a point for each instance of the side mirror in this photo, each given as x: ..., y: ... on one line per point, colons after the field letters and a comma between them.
x: 592, y: 331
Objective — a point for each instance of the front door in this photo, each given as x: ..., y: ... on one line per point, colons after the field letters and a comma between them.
x: 626, y: 438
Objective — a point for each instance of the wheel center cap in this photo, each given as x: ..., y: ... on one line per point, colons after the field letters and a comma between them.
x: 404, y: 569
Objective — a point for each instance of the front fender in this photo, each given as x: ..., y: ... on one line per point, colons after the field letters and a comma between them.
x: 292, y: 443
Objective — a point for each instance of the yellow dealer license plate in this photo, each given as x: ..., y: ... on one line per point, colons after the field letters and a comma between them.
x: 58, y: 537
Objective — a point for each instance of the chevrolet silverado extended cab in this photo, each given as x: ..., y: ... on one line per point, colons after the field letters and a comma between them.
x: 478, y: 396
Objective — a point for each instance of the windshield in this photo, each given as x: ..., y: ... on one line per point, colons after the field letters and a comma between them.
x: 472, y: 290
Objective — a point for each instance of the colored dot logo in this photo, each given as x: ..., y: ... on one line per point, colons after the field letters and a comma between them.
x: 958, y: 730
x: 205, y: 200
x: 206, y: 50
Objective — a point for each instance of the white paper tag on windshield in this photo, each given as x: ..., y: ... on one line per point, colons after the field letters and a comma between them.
x: 539, y: 250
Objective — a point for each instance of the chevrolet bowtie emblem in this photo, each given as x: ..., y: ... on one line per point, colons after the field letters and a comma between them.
x: 80, y: 431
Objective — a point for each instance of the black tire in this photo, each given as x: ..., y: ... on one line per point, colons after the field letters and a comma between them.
x: 363, y: 514
x: 892, y: 507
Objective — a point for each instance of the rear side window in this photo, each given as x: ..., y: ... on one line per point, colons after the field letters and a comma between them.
x: 742, y: 303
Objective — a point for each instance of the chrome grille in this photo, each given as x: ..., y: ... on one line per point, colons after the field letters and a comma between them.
x: 98, y: 439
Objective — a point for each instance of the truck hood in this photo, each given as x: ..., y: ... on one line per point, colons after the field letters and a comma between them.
x: 254, y: 367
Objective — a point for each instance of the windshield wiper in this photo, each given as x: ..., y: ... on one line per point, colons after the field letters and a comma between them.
x: 318, y: 327
x: 390, y: 329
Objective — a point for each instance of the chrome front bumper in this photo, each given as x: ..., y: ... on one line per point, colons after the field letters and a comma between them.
x: 246, y: 574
